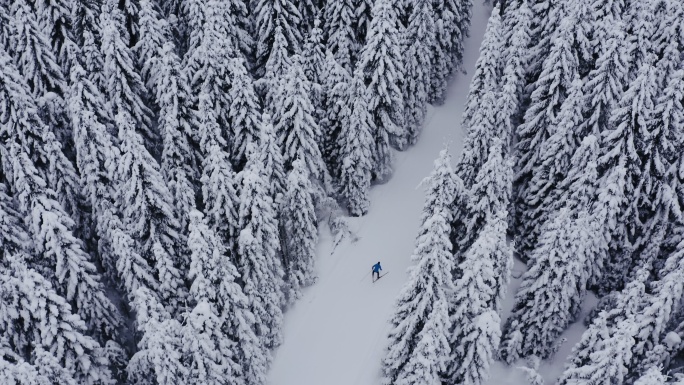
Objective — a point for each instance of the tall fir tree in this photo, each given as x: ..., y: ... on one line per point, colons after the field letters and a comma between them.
x: 479, y: 119
x: 271, y: 157
x: 341, y: 37
x: 337, y: 93
x: 420, y: 36
x: 293, y: 119
x: 244, y: 116
x: 383, y: 68
x: 269, y: 15
x: 301, y: 228
x: 258, y: 263
x: 419, y: 350
x: 355, y: 144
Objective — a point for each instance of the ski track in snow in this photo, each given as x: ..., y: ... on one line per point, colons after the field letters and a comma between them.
x: 336, y: 334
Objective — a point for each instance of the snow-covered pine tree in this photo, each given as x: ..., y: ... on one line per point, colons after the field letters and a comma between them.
x: 452, y: 25
x: 97, y: 158
x: 339, y: 26
x: 480, y: 119
x: 475, y: 325
x: 124, y: 89
x: 218, y: 179
x: 383, y: 70
x: 258, y: 262
x: 87, y: 35
x: 559, y: 70
x: 308, y: 11
x: 293, y: 120
x: 159, y: 359
x: 621, y: 162
x: 55, y: 19
x: 301, y: 228
x: 419, y: 350
x: 641, y: 26
x: 269, y: 15
x: 514, y: 61
x: 540, y: 202
x: 243, y: 115
x: 30, y: 307
x: 313, y: 63
x: 489, y: 195
x: 214, y: 284
x: 277, y: 65
x: 271, y: 157
x: 147, y: 213
x: 154, y: 33
x: 176, y: 125
x: 337, y: 110
x: 606, y: 81
x: 552, y: 289
x: 418, y: 58
x: 355, y: 149
x: 43, y: 368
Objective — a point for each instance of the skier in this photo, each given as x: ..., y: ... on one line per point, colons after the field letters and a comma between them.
x: 376, y: 270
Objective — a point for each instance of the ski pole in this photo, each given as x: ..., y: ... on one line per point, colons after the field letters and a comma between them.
x: 364, y: 276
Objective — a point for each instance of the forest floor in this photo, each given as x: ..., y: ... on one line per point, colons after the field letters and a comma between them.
x: 336, y: 334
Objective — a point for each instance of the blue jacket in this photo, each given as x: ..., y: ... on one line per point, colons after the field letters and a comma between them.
x: 377, y: 268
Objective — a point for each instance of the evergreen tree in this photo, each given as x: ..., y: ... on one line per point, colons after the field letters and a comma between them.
x: 271, y: 14
x: 124, y: 88
x: 258, y: 263
x: 159, y: 359
x: 418, y: 349
x: 339, y: 25
x: 271, y: 157
x: 362, y: 19
x: 14, y: 236
x: 146, y: 206
x: 301, y: 227
x: 277, y: 65
x: 489, y: 195
x: 176, y: 125
x: 215, y: 289
x: 243, y: 114
x: 355, y: 144
x: 621, y: 159
x: 420, y: 35
x: 475, y: 329
x: 479, y: 118
x: 293, y: 119
x: 382, y: 67
x: 154, y: 33
x: 313, y: 63
x: 337, y: 101
x: 97, y: 158
x: 452, y: 25
x: 652, y: 377
x: 218, y: 179
x: 31, y: 308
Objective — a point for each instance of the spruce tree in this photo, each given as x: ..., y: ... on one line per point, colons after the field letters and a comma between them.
x: 271, y: 157
x: 293, y: 119
x: 147, y: 214
x: 271, y: 14
x: 214, y: 284
x: 339, y: 25
x: 313, y: 63
x: 337, y: 110
x: 420, y: 36
x: 363, y: 15
x: 355, y: 144
x: 419, y: 351
x: 243, y: 114
x: 475, y: 329
x: 301, y: 227
x: 479, y: 119
x: 125, y: 91
x: 382, y: 66
x: 258, y: 262
x: 277, y: 65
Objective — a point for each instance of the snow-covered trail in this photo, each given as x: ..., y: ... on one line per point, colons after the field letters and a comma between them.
x: 336, y: 333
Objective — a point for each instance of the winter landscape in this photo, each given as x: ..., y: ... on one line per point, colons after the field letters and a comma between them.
x: 352, y: 192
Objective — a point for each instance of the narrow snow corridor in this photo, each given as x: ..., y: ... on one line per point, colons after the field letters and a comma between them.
x: 336, y: 333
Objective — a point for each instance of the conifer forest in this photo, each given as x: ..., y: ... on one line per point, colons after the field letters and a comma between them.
x: 178, y: 177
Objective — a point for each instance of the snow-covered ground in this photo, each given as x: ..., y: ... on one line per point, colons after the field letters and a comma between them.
x: 336, y: 333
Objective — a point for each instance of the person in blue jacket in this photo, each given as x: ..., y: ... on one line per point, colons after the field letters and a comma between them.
x: 376, y: 270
